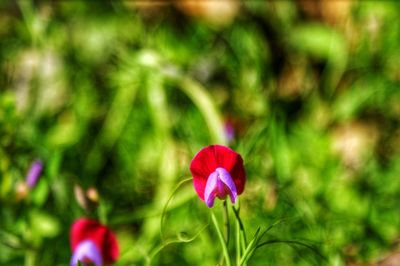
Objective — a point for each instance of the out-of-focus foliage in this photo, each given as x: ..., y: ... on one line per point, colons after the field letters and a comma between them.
x: 115, y: 98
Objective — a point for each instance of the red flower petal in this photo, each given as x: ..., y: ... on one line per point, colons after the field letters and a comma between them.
x: 208, y: 159
x: 104, y: 238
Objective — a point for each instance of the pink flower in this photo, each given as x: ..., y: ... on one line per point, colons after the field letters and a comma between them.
x: 218, y: 171
x: 102, y: 237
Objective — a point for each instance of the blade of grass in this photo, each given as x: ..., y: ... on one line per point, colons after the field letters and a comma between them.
x: 289, y: 242
x: 242, y: 230
x: 250, y: 248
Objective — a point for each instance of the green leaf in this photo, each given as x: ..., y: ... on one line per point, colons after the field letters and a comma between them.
x: 43, y: 224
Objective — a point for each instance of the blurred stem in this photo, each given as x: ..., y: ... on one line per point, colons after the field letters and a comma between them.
x: 30, y: 258
x: 102, y: 211
x: 200, y: 97
x: 28, y: 16
x: 113, y: 126
x: 221, y: 239
x: 167, y: 171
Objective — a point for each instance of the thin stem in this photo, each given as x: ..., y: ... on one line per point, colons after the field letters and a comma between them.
x: 178, y: 240
x: 164, y: 211
x: 221, y: 239
x: 238, y: 245
x: 227, y: 224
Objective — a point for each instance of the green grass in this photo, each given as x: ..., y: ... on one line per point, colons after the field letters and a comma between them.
x: 118, y: 97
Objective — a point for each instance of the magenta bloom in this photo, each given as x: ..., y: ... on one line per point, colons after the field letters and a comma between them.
x: 34, y: 173
x: 218, y: 171
x: 105, y: 243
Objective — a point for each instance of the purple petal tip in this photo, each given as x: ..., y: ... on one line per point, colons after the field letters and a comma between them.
x: 87, y: 251
x: 219, y: 184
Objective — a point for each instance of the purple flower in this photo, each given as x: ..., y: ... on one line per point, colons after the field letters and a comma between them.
x: 86, y: 252
x: 34, y: 172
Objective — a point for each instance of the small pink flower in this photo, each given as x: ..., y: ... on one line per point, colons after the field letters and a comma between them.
x: 218, y: 171
x: 101, y: 236
x: 229, y: 131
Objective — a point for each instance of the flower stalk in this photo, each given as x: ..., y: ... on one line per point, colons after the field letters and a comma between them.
x: 222, y: 241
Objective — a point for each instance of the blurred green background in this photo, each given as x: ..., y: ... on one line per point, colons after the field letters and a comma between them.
x: 116, y: 98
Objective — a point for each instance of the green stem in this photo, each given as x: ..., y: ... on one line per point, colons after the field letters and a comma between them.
x: 221, y: 239
x: 241, y: 241
x: 227, y: 224
x: 238, y: 245
x: 30, y: 258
